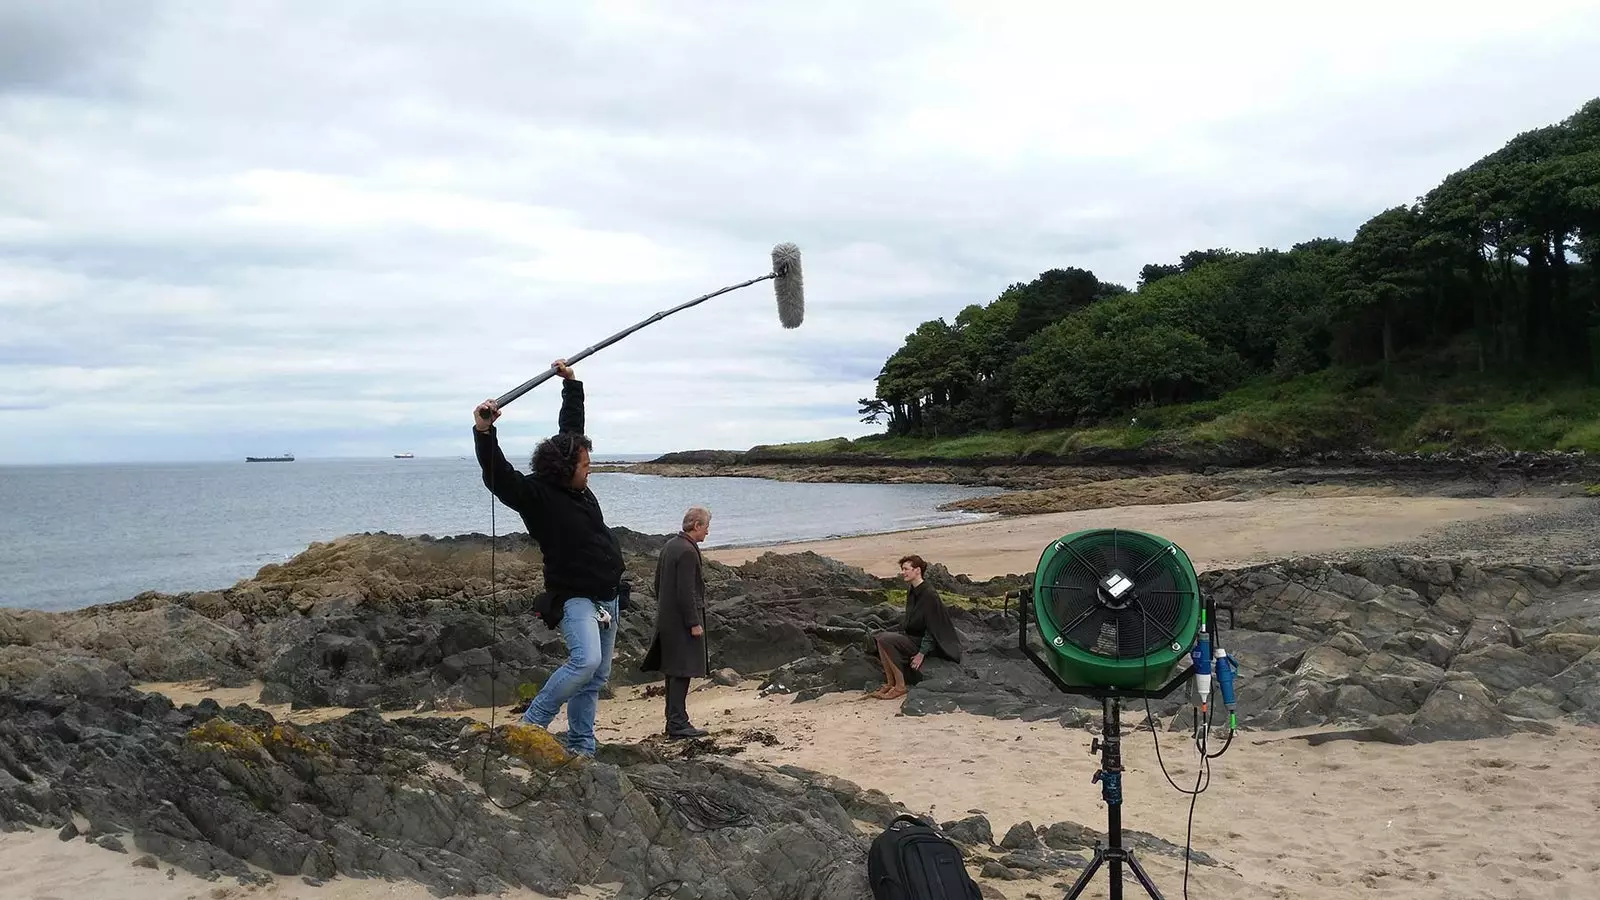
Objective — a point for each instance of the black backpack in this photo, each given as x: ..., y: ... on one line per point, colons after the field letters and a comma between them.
x: 911, y: 860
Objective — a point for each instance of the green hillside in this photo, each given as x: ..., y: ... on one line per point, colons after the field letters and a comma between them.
x: 1469, y: 319
x: 1333, y: 409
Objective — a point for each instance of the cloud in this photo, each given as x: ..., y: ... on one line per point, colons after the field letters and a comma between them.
x: 226, y: 229
x: 67, y: 46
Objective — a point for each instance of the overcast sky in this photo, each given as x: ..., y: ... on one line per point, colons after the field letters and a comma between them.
x: 332, y: 228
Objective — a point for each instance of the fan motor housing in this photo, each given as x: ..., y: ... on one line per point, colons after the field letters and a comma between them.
x: 1116, y: 608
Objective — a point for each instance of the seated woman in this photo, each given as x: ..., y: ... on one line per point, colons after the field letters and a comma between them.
x: 927, y: 630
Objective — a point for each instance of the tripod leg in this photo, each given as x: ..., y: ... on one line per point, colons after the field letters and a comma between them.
x: 1139, y: 873
x: 1088, y: 873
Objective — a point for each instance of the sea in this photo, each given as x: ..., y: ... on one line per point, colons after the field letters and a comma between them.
x: 80, y: 535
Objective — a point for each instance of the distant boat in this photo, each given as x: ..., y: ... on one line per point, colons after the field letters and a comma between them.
x: 287, y: 457
x: 404, y: 456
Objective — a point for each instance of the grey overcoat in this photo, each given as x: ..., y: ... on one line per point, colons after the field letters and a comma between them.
x: 680, y: 605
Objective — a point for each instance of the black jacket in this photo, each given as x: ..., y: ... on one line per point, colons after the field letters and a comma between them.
x: 929, y: 621
x: 581, y: 555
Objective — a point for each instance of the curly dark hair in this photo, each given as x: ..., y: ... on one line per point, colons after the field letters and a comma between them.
x: 916, y: 561
x: 556, y: 457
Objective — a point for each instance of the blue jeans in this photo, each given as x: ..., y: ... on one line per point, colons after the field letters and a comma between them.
x: 577, y: 683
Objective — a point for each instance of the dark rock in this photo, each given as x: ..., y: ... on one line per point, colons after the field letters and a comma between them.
x: 1459, y: 710
x: 1455, y: 649
x: 1021, y: 836
x: 222, y: 793
x: 1040, y: 861
x: 1145, y: 842
x: 993, y: 869
x: 973, y: 831
x: 1069, y: 836
x: 864, y: 805
x: 764, y: 645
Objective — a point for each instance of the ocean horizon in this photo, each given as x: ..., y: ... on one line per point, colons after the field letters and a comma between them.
x: 83, y: 534
x: 598, y: 459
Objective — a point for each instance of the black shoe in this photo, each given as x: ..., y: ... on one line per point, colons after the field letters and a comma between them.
x: 690, y: 732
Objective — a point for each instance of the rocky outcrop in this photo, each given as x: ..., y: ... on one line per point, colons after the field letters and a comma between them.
x: 1430, y: 648
x: 1028, y: 487
x: 1157, y: 457
x: 1415, y: 648
x: 367, y: 620
x: 1390, y: 648
x: 1411, y: 649
x: 230, y: 792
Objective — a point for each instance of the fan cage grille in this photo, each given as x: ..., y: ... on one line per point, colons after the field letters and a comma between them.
x: 1159, y: 611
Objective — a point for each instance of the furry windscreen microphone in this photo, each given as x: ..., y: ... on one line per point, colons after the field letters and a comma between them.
x: 788, y: 285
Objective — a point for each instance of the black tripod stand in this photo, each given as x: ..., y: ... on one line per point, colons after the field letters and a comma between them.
x: 1109, y: 746
x: 1110, y: 778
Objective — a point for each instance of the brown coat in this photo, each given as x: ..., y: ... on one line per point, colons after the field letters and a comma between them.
x: 680, y: 605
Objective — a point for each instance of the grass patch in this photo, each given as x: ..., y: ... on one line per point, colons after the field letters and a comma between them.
x: 251, y: 743
x: 897, y: 597
x: 1411, y: 410
x: 994, y: 444
x: 536, y: 747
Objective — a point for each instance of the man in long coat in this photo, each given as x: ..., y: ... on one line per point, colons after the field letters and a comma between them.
x: 679, y: 648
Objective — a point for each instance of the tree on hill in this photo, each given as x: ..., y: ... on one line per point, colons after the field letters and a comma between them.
x: 1501, y: 255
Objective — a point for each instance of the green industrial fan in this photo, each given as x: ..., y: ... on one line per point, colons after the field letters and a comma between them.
x: 1116, y: 609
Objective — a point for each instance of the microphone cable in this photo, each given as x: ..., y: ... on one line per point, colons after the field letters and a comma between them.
x: 494, y: 672
x: 1202, y: 779
x: 701, y: 811
x: 1202, y: 774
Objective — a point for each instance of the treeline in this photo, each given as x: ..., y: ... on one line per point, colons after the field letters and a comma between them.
x: 1497, y: 263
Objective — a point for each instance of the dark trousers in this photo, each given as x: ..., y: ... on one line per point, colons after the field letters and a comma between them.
x: 678, y: 703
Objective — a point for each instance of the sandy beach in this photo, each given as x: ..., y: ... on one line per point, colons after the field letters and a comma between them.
x: 1215, y: 533
x: 1498, y: 818
x: 37, y: 865
x: 1506, y: 817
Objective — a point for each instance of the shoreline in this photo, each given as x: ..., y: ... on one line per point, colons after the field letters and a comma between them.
x: 979, y: 519
x: 1208, y: 459
x: 1002, y: 533
x: 1023, y: 488
x: 1236, y: 532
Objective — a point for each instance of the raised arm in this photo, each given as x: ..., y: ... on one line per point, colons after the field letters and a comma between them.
x: 499, y: 476
x: 571, y: 417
